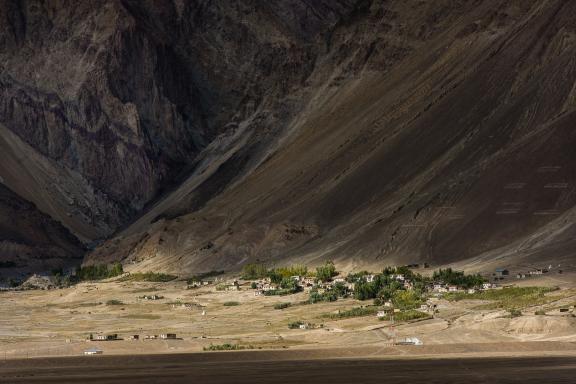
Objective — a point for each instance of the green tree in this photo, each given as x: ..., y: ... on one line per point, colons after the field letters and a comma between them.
x: 326, y: 272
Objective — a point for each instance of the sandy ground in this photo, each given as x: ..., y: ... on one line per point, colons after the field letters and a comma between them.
x: 57, y: 323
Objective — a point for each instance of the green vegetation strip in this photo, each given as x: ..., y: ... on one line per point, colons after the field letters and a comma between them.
x: 354, y: 312
x: 507, y: 298
x: 227, y: 347
x: 149, y: 277
x: 410, y: 315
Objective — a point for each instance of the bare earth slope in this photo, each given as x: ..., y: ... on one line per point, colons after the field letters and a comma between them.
x: 197, y: 135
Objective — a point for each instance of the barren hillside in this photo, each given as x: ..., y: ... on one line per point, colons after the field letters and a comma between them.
x: 191, y: 135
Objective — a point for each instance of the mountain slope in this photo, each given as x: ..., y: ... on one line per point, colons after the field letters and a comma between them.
x: 32, y: 242
x: 449, y: 145
x: 199, y: 135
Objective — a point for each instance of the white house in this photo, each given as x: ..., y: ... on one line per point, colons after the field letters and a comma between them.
x: 93, y: 351
x: 370, y: 278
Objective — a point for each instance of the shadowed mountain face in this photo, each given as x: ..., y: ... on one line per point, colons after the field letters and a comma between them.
x: 194, y: 135
x: 31, y: 241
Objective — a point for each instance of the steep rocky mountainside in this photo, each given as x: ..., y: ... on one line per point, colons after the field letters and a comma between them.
x: 29, y: 240
x: 203, y: 134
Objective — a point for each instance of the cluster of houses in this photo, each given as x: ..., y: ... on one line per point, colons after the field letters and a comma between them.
x: 197, y: 284
x: 306, y: 283
x: 114, y: 337
x: 152, y: 297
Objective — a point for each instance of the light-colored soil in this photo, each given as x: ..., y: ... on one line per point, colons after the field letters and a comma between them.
x: 57, y: 322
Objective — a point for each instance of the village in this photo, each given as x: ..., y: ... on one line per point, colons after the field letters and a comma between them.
x: 288, y: 307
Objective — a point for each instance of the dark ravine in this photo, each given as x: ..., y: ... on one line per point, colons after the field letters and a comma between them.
x: 362, y: 131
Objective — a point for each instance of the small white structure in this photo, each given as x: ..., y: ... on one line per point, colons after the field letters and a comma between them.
x: 381, y: 314
x: 410, y: 341
x: 93, y: 351
x: 370, y: 278
x: 452, y: 288
x: 166, y: 336
x: 471, y: 291
x: 339, y: 280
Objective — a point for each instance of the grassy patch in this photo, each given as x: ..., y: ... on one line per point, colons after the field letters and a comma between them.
x: 282, y: 305
x: 88, y: 304
x: 142, y: 317
x: 410, y: 316
x: 227, y: 347
x: 231, y: 304
x: 114, y: 302
x: 507, y: 298
x: 515, y: 312
x: 540, y: 312
x: 149, y: 277
x: 354, y: 312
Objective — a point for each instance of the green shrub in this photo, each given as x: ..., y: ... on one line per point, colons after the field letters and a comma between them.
x: 327, y: 296
x: 150, y: 277
x: 227, y: 347
x: 410, y: 315
x: 114, y: 302
x: 354, y: 312
x: 282, y: 305
x: 406, y: 300
x: 515, y: 312
x: 540, y: 312
x: 231, y: 304
x: 295, y: 324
